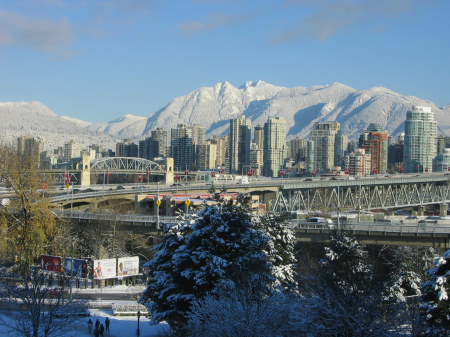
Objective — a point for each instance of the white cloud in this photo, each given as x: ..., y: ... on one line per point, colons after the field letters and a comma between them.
x: 44, y: 35
x: 214, y: 21
x: 330, y: 16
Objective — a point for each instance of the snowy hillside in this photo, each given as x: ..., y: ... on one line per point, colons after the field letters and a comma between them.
x: 213, y: 106
x: 37, y: 120
x: 301, y: 107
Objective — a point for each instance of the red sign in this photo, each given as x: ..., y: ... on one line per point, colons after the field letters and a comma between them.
x: 281, y: 172
x: 213, y: 174
x: 313, y: 173
x: 426, y: 169
x: 51, y: 263
x: 402, y: 170
x: 140, y: 177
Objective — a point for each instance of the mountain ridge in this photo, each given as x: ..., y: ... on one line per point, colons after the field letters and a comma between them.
x: 213, y: 106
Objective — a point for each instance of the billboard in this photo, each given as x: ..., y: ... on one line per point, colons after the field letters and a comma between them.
x: 51, y: 263
x: 104, y: 268
x: 128, y: 266
x: 79, y: 267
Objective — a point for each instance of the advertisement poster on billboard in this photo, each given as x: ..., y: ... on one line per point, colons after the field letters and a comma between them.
x: 79, y: 267
x: 128, y: 266
x: 51, y: 263
x: 104, y: 268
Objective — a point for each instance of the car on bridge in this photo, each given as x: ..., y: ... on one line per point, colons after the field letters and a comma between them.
x: 319, y: 220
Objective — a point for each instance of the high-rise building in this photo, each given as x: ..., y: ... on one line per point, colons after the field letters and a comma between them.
x: 395, y: 152
x: 221, y: 148
x: 71, y: 150
x: 127, y: 149
x: 256, y: 159
x: 323, y: 135
x: 198, y: 134
x: 358, y: 163
x: 181, y: 147
x: 441, y: 163
x: 274, y: 146
x: 310, y: 159
x: 30, y: 148
x: 239, y: 144
x: 374, y: 141
x: 154, y: 146
x: 440, y: 144
x: 258, y: 136
x: 420, y: 145
x: 198, y: 138
x: 206, y: 155
x: 295, y: 148
x: 340, y: 146
x: 159, y: 143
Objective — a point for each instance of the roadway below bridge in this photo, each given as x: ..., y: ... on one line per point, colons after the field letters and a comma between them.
x: 417, y: 232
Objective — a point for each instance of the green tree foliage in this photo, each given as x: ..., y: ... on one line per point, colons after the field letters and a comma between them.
x: 225, y: 247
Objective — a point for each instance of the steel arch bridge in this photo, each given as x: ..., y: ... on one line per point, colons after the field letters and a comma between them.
x: 125, y: 165
x: 370, y: 195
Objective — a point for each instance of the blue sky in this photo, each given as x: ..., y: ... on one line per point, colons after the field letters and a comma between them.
x: 98, y: 60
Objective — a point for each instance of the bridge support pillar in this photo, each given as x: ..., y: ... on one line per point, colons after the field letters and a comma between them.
x: 85, y: 180
x: 169, y: 171
x: 443, y: 208
x: 420, y: 211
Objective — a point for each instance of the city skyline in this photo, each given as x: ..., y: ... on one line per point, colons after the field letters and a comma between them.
x: 100, y: 60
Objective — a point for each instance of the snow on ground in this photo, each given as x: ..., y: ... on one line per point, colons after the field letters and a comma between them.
x: 121, y: 326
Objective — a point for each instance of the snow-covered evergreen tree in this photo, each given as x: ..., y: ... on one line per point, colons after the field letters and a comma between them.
x: 435, y: 302
x: 341, y: 298
x: 225, y: 247
x: 403, y: 280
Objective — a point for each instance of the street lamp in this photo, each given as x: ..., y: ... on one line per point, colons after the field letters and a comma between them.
x: 157, y: 206
x: 71, y: 269
x: 138, y: 332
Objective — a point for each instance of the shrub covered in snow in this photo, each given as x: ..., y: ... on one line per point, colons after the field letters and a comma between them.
x: 435, y: 303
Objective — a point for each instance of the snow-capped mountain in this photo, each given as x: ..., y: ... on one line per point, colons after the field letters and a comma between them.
x: 36, y: 120
x: 212, y: 107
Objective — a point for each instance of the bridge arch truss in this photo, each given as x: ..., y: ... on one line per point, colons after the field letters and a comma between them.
x: 362, y: 197
x: 125, y: 165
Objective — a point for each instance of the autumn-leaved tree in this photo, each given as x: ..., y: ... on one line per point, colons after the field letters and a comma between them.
x: 27, y: 224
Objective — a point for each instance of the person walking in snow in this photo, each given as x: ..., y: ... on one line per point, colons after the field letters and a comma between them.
x: 97, y: 324
x: 102, y: 330
x: 97, y: 332
x: 107, y: 324
x: 90, y: 325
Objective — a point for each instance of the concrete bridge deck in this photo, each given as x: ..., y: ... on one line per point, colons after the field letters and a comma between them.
x: 413, y: 233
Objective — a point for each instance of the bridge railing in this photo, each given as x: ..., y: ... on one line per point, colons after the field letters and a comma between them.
x: 419, y: 228
x: 115, y: 217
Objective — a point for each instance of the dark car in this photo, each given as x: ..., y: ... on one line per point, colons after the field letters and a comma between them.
x: 120, y: 187
x: 308, y: 179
